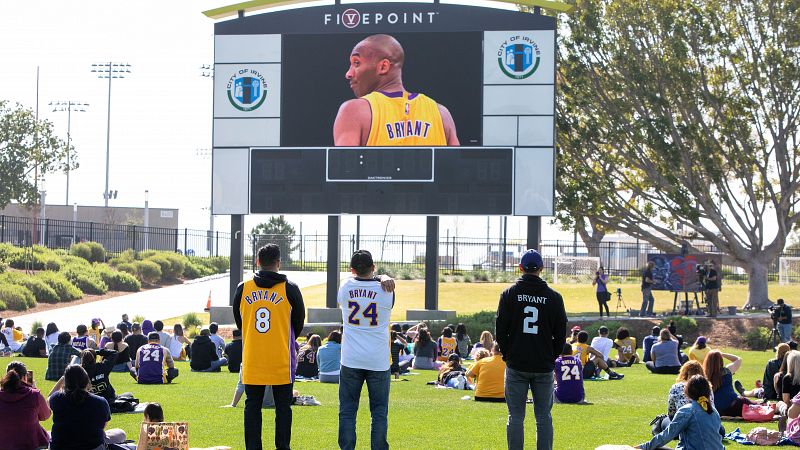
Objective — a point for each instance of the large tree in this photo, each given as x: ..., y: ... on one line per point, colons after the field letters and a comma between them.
x: 25, y: 144
x: 684, y: 114
x: 277, y: 230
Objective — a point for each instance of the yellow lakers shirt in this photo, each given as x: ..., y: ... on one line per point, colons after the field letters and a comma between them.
x: 404, y: 119
x: 267, y: 343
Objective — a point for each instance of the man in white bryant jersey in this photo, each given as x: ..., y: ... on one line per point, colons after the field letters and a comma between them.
x: 366, y: 311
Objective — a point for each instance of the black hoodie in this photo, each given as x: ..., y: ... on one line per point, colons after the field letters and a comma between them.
x: 267, y: 279
x: 531, y: 325
x: 203, y: 352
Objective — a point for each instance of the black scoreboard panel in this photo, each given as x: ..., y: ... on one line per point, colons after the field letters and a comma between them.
x: 334, y: 181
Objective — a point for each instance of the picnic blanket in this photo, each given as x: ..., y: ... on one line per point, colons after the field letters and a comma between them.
x: 741, y: 438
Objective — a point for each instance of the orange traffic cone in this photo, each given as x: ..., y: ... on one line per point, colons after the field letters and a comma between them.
x: 208, y: 303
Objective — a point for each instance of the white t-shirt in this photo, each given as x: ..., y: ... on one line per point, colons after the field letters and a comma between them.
x: 366, y: 313
x: 602, y: 345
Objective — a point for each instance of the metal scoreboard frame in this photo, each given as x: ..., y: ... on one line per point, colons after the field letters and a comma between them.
x: 257, y: 62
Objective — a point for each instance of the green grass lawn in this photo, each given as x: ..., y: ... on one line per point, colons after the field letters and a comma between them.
x: 579, y: 298
x: 420, y: 416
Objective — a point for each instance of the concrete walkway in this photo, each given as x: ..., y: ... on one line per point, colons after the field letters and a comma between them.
x: 154, y: 304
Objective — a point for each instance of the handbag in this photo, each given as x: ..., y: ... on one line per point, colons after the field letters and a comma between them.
x: 758, y: 413
x: 165, y: 435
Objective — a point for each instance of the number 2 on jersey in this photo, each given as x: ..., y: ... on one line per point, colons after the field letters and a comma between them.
x: 370, y: 312
x: 528, y: 324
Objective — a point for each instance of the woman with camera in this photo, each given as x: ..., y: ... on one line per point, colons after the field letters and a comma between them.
x: 603, y: 296
x: 22, y: 407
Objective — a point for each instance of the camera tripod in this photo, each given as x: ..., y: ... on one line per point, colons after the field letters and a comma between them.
x: 774, y: 336
x: 620, y: 302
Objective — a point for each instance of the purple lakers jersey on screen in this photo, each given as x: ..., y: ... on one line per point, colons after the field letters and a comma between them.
x: 151, y: 364
x: 569, y: 379
x: 81, y: 343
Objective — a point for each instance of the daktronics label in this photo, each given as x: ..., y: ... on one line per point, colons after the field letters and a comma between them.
x: 352, y: 18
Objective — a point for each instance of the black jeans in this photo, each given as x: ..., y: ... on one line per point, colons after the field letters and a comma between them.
x: 671, y: 370
x: 283, y: 416
x: 602, y: 300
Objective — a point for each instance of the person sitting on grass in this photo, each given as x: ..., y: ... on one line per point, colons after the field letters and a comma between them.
x: 726, y: 401
x: 123, y: 362
x: 451, y: 371
x: 425, y: 351
x: 164, y: 338
x: 768, y: 391
x: 696, y: 424
x: 204, y: 354
x: 463, y: 342
x: 36, y: 347
x: 699, y: 350
x: 591, y: 359
x: 136, y: 339
x: 307, y: 366
x: 488, y: 377
x: 602, y: 343
x: 15, y: 338
x: 447, y: 344
x: 568, y: 376
x: 483, y: 353
x: 329, y: 358
x: 22, y: 407
x: 648, y: 342
x: 96, y: 332
x: 106, y: 337
x: 82, y: 341
x: 79, y: 417
x: 154, y: 364
x: 677, y: 393
x: 573, y: 338
x: 233, y: 351
x: 51, y: 335
x: 664, y: 355
x: 99, y: 380
x: 213, y: 328
x: 486, y: 342
x: 399, y: 349
x: 60, y: 356
x: 626, y: 348
x: 179, y: 343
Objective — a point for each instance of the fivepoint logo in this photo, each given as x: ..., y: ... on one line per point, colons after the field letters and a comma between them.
x: 352, y: 18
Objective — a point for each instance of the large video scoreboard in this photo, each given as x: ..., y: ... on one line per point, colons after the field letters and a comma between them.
x: 280, y: 81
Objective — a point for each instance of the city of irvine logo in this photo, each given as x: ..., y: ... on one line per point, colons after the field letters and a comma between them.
x: 247, y: 89
x: 519, y: 57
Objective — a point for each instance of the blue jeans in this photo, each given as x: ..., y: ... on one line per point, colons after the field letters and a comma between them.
x: 647, y: 302
x: 517, y: 385
x: 350, y: 383
x: 785, y: 330
x: 215, y: 365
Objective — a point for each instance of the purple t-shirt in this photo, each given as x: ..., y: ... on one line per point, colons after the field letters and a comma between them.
x: 601, y: 283
x: 151, y: 364
x: 569, y: 379
x: 81, y: 343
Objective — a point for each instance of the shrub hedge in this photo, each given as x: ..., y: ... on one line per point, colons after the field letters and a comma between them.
x: 64, y: 288
x: 86, y: 280
x: 117, y: 280
x: 40, y: 290
x: 15, y: 297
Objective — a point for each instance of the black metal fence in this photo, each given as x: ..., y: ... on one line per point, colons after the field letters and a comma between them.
x: 309, y: 251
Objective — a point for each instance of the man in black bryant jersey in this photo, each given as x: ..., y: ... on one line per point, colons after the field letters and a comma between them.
x: 531, y: 330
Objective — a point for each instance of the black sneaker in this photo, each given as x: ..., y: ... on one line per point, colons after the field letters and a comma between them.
x: 615, y: 376
x: 738, y: 386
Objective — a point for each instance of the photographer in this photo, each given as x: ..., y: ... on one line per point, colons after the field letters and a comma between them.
x: 712, y: 288
x: 782, y: 313
x: 603, y: 296
x: 647, y: 291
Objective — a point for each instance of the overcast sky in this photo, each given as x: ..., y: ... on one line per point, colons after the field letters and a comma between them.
x: 160, y: 113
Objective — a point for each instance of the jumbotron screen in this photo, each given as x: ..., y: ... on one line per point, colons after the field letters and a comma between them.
x: 327, y: 83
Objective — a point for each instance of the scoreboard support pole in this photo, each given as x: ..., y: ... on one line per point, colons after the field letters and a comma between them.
x: 534, y: 232
x: 237, y: 253
x: 432, y: 264
x: 334, y: 247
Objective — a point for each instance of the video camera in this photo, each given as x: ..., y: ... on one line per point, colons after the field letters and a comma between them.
x: 774, y: 312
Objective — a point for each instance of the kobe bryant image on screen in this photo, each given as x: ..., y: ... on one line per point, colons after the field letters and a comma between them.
x: 384, y: 113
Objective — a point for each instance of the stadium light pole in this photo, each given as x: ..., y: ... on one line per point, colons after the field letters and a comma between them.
x: 109, y: 70
x: 69, y: 106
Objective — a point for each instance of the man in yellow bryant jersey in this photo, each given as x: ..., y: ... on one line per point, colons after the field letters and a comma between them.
x: 385, y: 114
x: 270, y: 312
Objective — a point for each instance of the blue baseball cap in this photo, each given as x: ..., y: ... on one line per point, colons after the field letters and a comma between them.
x: 531, y: 260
